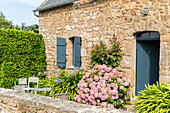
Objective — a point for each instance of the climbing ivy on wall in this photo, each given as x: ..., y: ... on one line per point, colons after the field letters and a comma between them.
x: 22, y: 54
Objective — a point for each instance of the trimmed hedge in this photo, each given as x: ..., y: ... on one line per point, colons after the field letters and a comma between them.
x: 22, y: 54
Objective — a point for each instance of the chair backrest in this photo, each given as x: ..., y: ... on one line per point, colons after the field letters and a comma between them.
x: 33, y: 80
x: 22, y: 81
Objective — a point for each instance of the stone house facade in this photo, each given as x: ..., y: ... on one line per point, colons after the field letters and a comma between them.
x: 106, y: 20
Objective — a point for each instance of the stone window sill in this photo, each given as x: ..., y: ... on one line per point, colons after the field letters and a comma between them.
x: 70, y: 67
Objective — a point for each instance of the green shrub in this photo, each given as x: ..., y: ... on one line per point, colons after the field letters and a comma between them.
x: 67, y: 83
x: 22, y: 54
x: 154, y: 99
x: 102, y: 55
x: 48, y: 83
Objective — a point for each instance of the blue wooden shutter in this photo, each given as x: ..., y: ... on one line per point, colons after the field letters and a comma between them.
x: 61, y: 52
x: 77, y: 52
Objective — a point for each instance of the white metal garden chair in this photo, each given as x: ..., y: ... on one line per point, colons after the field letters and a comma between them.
x: 32, y: 80
x: 21, y: 85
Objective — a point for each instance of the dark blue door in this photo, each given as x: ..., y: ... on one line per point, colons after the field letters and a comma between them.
x: 147, y: 59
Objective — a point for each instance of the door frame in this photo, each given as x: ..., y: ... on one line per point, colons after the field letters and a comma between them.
x: 139, y: 37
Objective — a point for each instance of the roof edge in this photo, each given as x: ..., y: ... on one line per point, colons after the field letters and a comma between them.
x: 53, y: 5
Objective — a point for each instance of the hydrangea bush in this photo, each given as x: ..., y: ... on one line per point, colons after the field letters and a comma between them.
x: 101, y: 54
x: 103, y: 87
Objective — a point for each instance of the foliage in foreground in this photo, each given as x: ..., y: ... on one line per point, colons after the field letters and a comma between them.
x: 66, y: 82
x: 100, y: 54
x: 154, y: 99
x: 103, y: 87
x: 22, y: 54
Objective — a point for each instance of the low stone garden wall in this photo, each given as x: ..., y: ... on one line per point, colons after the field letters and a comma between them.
x: 15, y: 102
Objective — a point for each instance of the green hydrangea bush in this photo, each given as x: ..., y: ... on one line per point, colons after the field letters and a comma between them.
x: 154, y: 99
x: 100, y: 54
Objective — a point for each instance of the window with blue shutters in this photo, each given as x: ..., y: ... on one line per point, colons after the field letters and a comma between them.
x: 76, y: 51
x: 61, y: 52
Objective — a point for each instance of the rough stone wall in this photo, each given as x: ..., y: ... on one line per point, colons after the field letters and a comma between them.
x: 95, y: 20
x: 15, y: 102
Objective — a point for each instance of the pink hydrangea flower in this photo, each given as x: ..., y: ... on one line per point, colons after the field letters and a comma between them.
x: 114, y: 97
x: 87, y: 95
x: 83, y: 96
x: 84, y: 101
x: 98, y: 104
x: 100, y: 73
x: 96, y: 95
x: 87, y: 75
x: 103, y: 81
x: 124, y: 78
x: 104, y: 91
x: 119, y: 80
x: 106, y: 96
x: 112, y: 84
x: 108, y: 85
x: 115, y: 88
x: 89, y: 80
x: 83, y: 78
x: 128, y: 81
x: 106, y: 77
x: 93, y: 102
x: 100, y: 95
x: 79, y: 100
x: 123, y: 84
x: 81, y: 89
x: 126, y: 84
x: 108, y: 69
x: 101, y: 78
x: 103, y: 66
x: 113, y: 92
x: 110, y: 106
x: 103, y: 85
x: 92, y: 97
x: 121, y: 87
x: 111, y: 75
x: 104, y: 104
x: 120, y: 76
x: 96, y: 88
x: 86, y: 90
x: 91, y: 92
x: 98, y: 100
x: 122, y: 101
x: 80, y: 92
x: 76, y: 98
x: 115, y: 76
x: 99, y: 83
x: 114, y: 71
x: 126, y: 97
x: 96, y: 78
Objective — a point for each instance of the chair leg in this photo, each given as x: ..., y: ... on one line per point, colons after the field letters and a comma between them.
x: 35, y: 92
